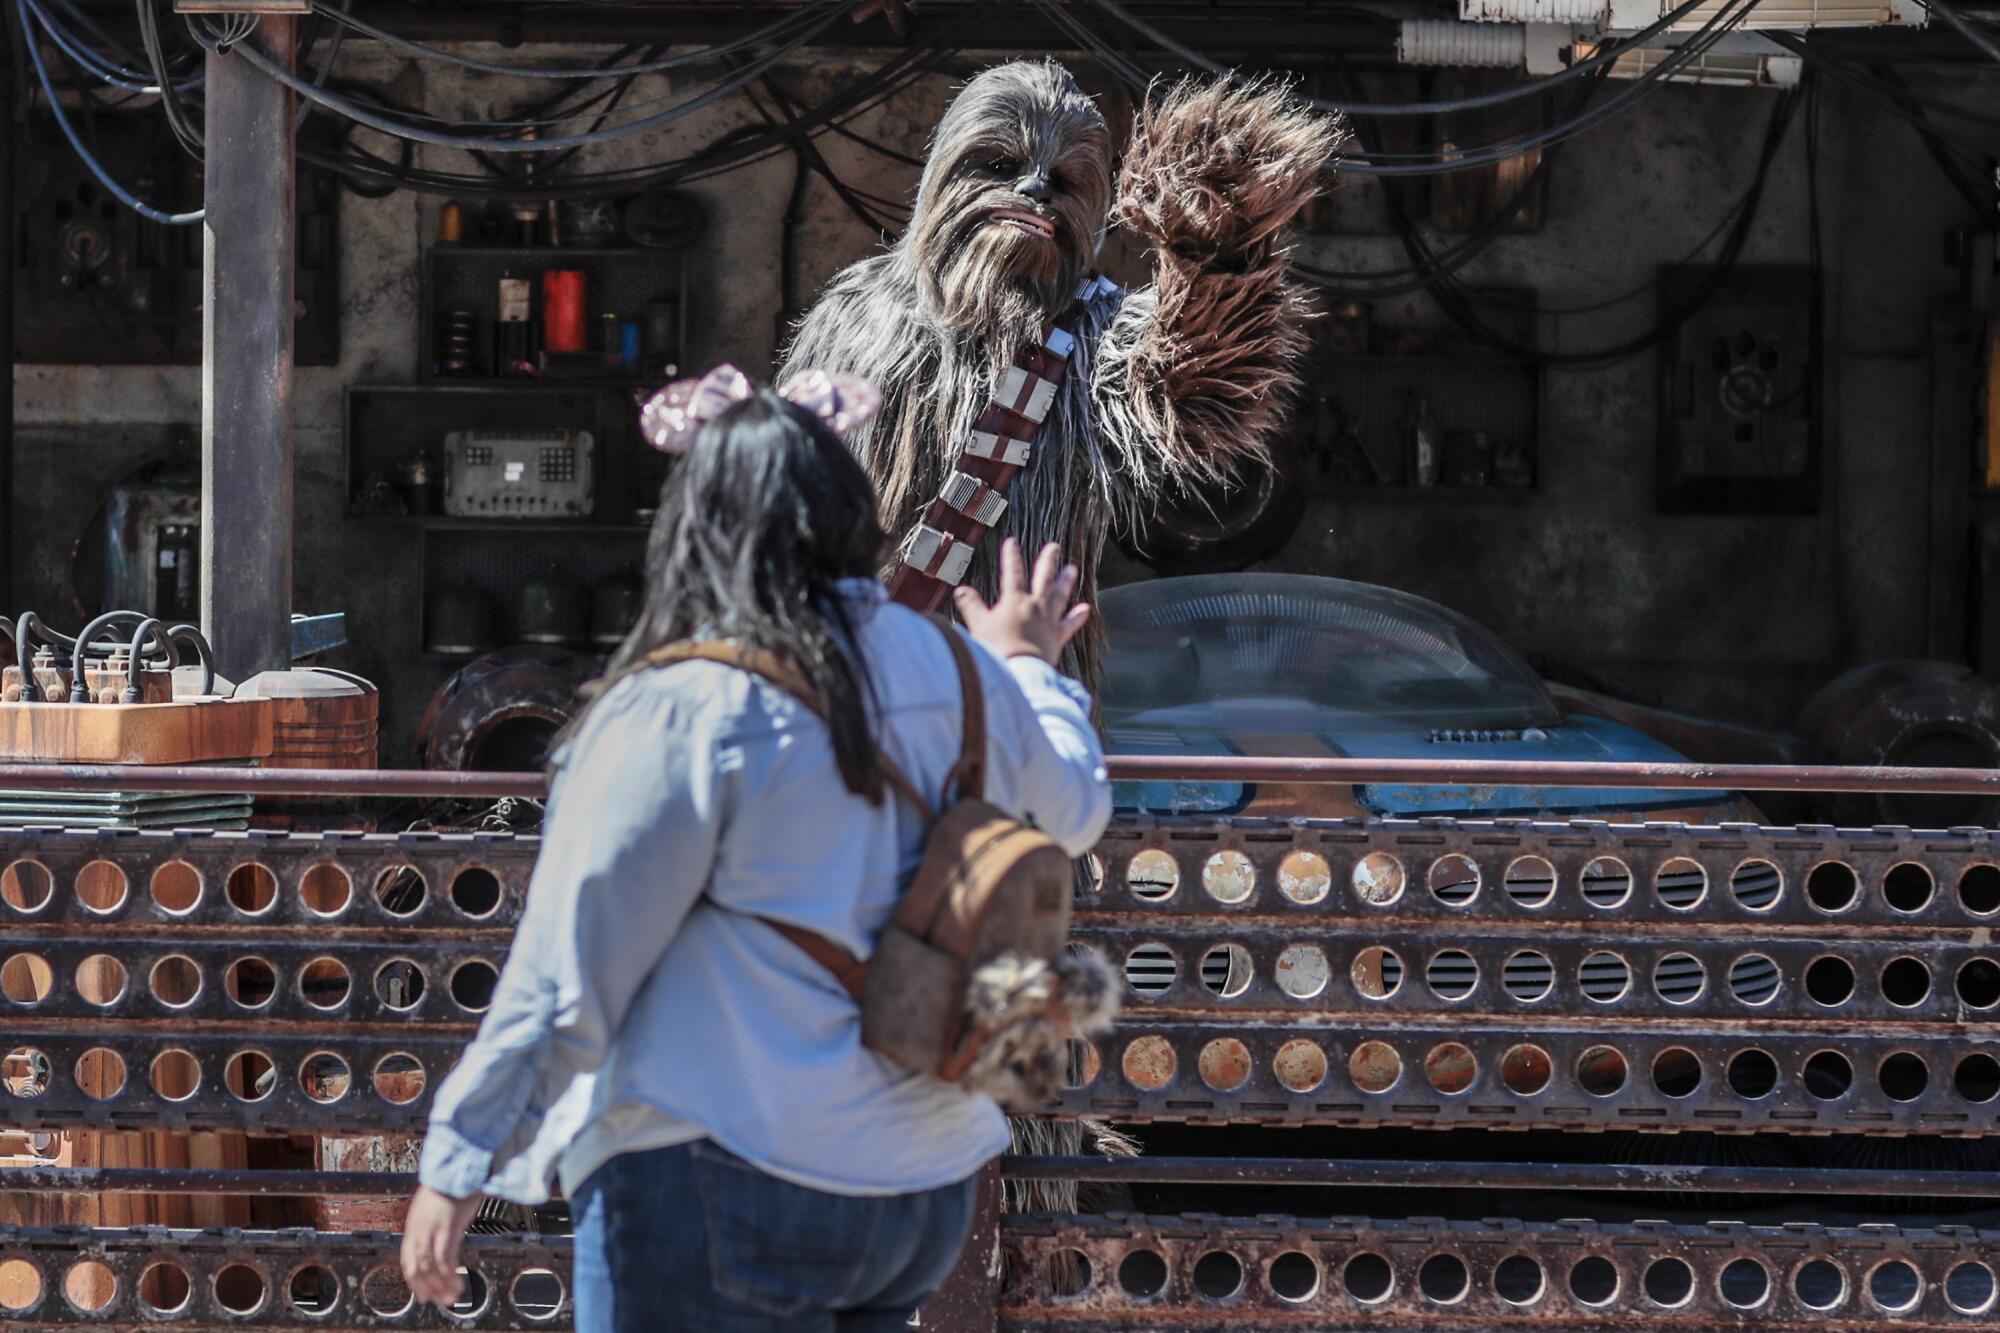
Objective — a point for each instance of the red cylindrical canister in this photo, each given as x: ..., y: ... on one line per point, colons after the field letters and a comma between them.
x: 562, y: 310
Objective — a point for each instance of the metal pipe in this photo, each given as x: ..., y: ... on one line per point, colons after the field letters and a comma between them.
x: 1136, y: 768
x: 1352, y: 1174
x: 7, y: 271
x: 195, y: 1180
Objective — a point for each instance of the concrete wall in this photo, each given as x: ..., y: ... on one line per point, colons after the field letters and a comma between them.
x: 1739, y: 615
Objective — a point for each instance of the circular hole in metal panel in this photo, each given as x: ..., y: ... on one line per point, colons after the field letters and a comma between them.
x: 1224, y: 1064
x: 1151, y: 969
x: 100, y: 1073
x: 1681, y: 884
x: 325, y: 1077
x: 250, y: 1075
x: 1828, y: 1075
x: 251, y: 888
x: 1528, y: 976
x: 175, y: 981
x: 1375, y: 1066
x: 239, y: 1289
x: 1904, y: 1076
x: 101, y: 887
x: 1225, y: 970
x: 1454, y: 880
x: 1526, y: 1069
x: 101, y: 979
x: 1745, y: 1284
x: 1604, y: 977
x: 473, y: 1295
x: 399, y: 984
x: 25, y: 1072
x: 384, y: 1293
x: 1443, y: 1279
x: 1069, y: 1273
x: 326, y: 889
x: 1083, y: 1066
x: 475, y: 891
x: 1820, y: 1285
x: 1832, y: 887
x: 472, y: 985
x: 1969, y: 1288
x: 89, y: 1285
x: 1669, y: 1282
x: 1830, y: 981
x: 175, y: 1075
x: 1377, y: 972
x: 164, y: 1288
x: 1679, y: 978
x: 536, y: 1294
x: 20, y: 1284
x: 1895, y: 1286
x: 1593, y: 1280
x: 1218, y: 1275
x: 313, y: 1290
x: 399, y: 1078
x: 1602, y: 1071
x: 1753, y: 1074
x: 1153, y: 875
x: 250, y: 982
x: 1977, y: 1078
x: 1757, y: 885
x: 1300, y: 1065
x: 1368, y: 1278
x: 1305, y: 878
x: 1519, y: 1280
x: 1303, y: 971
x: 1677, y: 1071
x: 1149, y: 1063
x: 27, y: 978
x: 1906, y: 982
x: 401, y: 890
x: 1452, y: 974
x: 1978, y: 983
x: 1607, y: 882
x: 1229, y: 877
x: 1979, y: 889
x: 1530, y: 881
x: 1378, y: 879
x: 1142, y: 1273
x: 26, y: 886
x: 176, y: 888
x: 324, y: 983
x: 1754, y: 979
x: 1294, y: 1277
x: 1908, y: 887
x: 1451, y: 1067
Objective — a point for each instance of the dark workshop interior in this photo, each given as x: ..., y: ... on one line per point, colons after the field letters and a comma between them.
x: 1702, y: 385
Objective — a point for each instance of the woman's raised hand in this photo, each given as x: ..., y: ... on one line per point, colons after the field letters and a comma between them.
x: 1032, y: 617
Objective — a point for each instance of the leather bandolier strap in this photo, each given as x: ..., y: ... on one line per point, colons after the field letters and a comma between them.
x: 938, y: 554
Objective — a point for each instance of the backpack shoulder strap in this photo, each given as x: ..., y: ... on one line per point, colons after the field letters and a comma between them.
x: 785, y: 676
x: 967, y: 780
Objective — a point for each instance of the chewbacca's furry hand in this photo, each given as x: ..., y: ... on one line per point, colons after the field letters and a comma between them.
x: 1217, y: 169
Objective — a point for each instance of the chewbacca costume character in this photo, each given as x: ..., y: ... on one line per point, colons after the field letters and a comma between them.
x: 1183, y: 381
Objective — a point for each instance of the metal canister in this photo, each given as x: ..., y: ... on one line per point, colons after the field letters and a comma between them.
x: 552, y: 609
x: 614, y: 607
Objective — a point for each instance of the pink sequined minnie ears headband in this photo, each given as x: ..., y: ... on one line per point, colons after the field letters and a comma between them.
x: 673, y: 415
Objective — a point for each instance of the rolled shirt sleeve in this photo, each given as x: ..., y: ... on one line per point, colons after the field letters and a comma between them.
x: 635, y: 817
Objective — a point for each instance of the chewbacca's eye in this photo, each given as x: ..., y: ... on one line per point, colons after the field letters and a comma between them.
x: 1004, y: 166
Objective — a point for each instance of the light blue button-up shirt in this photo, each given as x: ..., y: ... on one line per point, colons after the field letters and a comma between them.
x: 690, y: 798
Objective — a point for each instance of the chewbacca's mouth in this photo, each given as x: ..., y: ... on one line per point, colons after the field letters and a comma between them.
x: 1028, y: 222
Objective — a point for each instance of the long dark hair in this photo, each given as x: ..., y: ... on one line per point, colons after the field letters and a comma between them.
x: 759, y: 519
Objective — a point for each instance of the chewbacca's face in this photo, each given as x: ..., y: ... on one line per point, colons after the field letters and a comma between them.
x: 1013, y: 199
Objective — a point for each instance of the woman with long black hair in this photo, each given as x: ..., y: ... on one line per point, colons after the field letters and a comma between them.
x: 734, y: 1157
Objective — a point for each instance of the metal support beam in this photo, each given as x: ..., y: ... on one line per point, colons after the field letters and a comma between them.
x: 7, y: 525
x: 247, y: 329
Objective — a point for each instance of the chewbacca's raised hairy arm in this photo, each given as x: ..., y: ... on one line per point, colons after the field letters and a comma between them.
x: 1197, y: 373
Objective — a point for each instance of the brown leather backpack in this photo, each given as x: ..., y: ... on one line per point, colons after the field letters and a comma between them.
x: 972, y: 981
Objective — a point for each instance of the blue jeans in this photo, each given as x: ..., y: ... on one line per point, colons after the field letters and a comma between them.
x: 696, y: 1238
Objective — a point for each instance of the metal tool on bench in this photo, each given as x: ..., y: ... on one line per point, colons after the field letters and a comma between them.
x: 524, y: 474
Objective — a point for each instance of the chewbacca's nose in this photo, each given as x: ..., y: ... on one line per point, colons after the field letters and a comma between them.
x: 1034, y: 185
